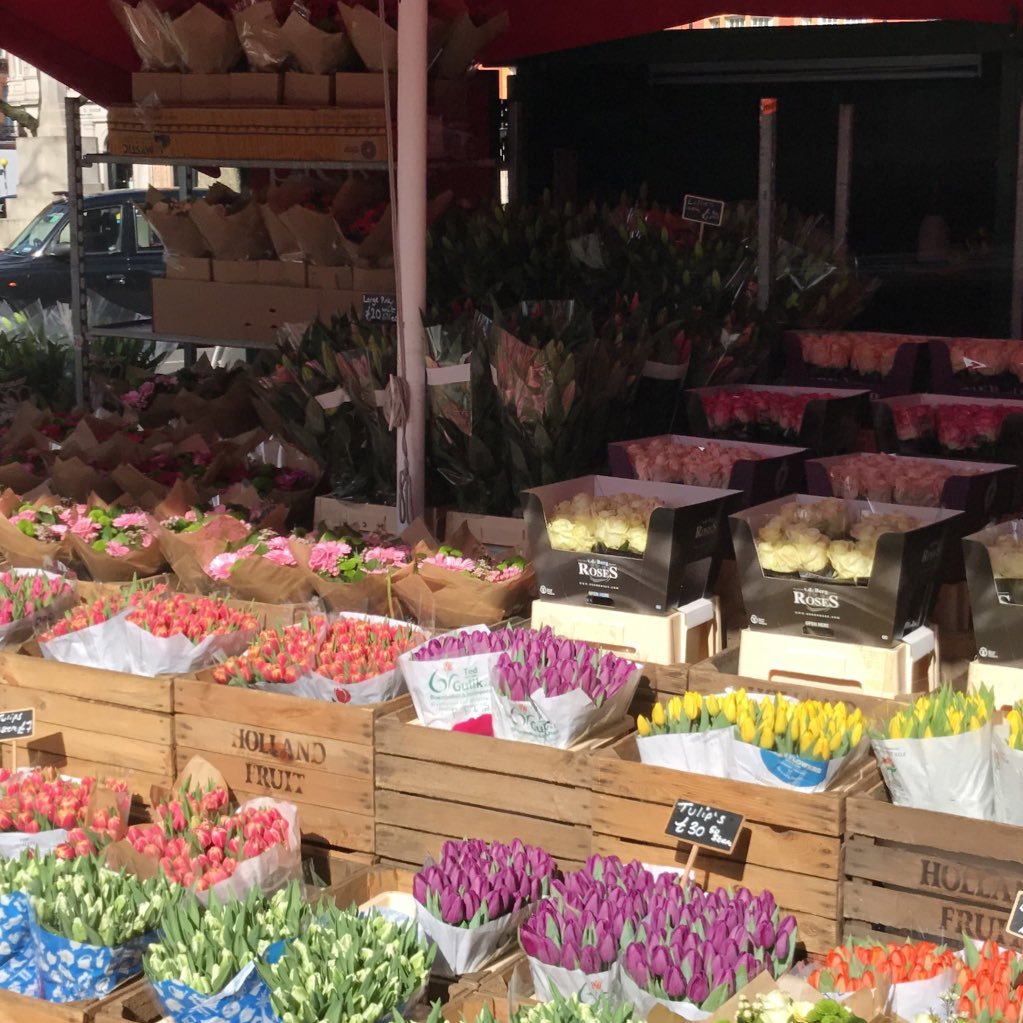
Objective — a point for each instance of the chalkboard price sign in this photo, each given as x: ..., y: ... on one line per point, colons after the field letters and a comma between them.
x: 704, y: 211
x: 704, y: 825
x: 378, y: 308
x: 17, y: 724
x: 1015, y: 924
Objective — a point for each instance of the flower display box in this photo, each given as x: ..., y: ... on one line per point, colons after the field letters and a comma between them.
x: 24, y: 1009
x: 315, y: 754
x: 433, y: 784
x: 826, y: 421
x: 949, y: 426
x: 790, y: 843
x: 381, y: 519
x: 887, y: 364
x: 929, y: 875
x: 876, y: 611
x: 675, y: 569
x: 983, y: 367
x: 997, y: 603
x: 775, y: 472
x: 134, y: 1003
x: 90, y: 721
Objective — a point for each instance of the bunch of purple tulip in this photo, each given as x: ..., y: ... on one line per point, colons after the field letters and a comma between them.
x: 701, y: 947
x: 464, y: 644
x: 580, y: 925
x: 476, y: 882
x: 538, y: 661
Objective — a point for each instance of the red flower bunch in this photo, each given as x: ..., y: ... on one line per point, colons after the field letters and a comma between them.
x: 732, y: 409
x: 858, y: 965
x: 990, y: 984
x: 195, y: 618
x: 210, y: 851
x: 40, y: 800
x: 349, y: 650
x: 99, y: 611
x: 187, y: 808
x: 22, y: 596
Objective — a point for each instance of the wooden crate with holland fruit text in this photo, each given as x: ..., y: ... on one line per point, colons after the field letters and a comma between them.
x: 317, y: 755
x: 927, y: 874
x: 89, y: 721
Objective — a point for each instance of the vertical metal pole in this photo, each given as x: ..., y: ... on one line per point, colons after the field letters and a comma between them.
x: 76, y: 208
x: 843, y: 175
x: 183, y: 180
x: 765, y: 194
x: 1017, y: 242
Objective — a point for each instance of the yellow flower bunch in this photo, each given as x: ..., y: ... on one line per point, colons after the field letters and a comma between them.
x: 693, y: 712
x: 942, y: 713
x: 1014, y: 719
x: 811, y: 728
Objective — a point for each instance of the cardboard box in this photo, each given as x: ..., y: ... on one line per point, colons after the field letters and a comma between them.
x: 256, y: 88
x: 490, y: 530
x: 987, y: 377
x: 363, y: 89
x: 334, y: 303
x: 676, y: 568
x: 285, y: 272
x: 779, y: 470
x: 187, y: 268
x: 381, y: 281
x: 908, y: 372
x: 366, y: 518
x: 201, y: 89
x: 997, y: 604
x: 920, y: 435
x: 164, y: 86
x: 829, y: 424
x: 330, y: 278
x: 879, y: 611
x: 235, y: 271
x: 258, y: 133
x: 302, y: 90
x: 251, y: 313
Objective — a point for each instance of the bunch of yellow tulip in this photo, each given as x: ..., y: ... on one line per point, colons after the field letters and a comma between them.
x: 942, y: 713
x: 693, y: 712
x: 1014, y: 719
x: 810, y: 729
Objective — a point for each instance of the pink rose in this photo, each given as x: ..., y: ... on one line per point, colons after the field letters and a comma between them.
x: 827, y: 351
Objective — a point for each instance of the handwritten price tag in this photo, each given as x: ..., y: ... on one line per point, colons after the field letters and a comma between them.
x: 1015, y: 924
x: 710, y: 212
x: 17, y: 724
x: 704, y: 825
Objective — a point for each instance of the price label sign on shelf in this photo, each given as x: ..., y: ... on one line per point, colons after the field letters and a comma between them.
x: 709, y: 212
x: 1015, y: 924
x: 379, y: 308
x: 705, y: 826
x: 17, y: 724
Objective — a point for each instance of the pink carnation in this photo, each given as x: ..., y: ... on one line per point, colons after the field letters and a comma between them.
x: 220, y: 567
x: 280, y: 556
x: 451, y: 563
x: 387, y: 555
x: 324, y: 557
x: 24, y: 516
x: 131, y: 520
x: 85, y: 529
x: 117, y: 550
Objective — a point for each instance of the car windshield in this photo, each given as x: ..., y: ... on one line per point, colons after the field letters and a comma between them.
x: 35, y: 236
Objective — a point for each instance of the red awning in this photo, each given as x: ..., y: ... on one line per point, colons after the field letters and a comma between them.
x: 79, y: 42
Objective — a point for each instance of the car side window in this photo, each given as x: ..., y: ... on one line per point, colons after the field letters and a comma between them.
x: 146, y: 239
x: 104, y: 230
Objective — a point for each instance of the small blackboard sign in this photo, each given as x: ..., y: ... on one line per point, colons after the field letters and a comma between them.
x: 377, y: 308
x: 1015, y: 924
x: 704, y: 211
x: 704, y: 825
x: 17, y: 724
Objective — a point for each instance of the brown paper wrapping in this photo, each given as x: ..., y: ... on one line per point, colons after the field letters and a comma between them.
x: 371, y: 595
x: 256, y: 578
x: 260, y: 35
x: 374, y: 40
x: 106, y: 569
x: 207, y: 43
x: 317, y: 235
x: 14, y: 476
x: 23, y: 551
x: 149, y: 31
x: 181, y: 497
x: 23, y: 432
x: 175, y: 227
x: 244, y: 495
x: 187, y: 553
x: 232, y: 233
x: 316, y: 52
x: 73, y: 479
x: 464, y: 40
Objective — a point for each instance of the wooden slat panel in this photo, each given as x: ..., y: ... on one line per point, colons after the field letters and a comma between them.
x: 819, y: 814
x: 21, y: 1009
x: 452, y: 820
x: 797, y: 893
x: 76, y: 743
x: 269, y: 744
x: 328, y: 825
x: 106, y: 719
x: 795, y: 851
x: 474, y: 787
x: 289, y: 781
x: 977, y: 882
x: 155, y: 694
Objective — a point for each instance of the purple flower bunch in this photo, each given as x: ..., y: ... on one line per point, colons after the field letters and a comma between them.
x: 464, y: 644
x: 701, y: 947
x: 581, y: 924
x: 476, y: 882
x: 538, y: 661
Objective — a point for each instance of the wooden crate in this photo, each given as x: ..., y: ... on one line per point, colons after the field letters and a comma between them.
x: 791, y: 843
x: 432, y: 785
x: 136, y: 1003
x: 91, y: 721
x: 927, y: 874
x: 21, y: 1009
x: 317, y: 755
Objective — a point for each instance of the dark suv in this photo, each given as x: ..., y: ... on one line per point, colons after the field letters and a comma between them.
x: 123, y: 254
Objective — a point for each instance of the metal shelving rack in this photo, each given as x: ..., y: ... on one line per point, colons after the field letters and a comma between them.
x: 142, y: 330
